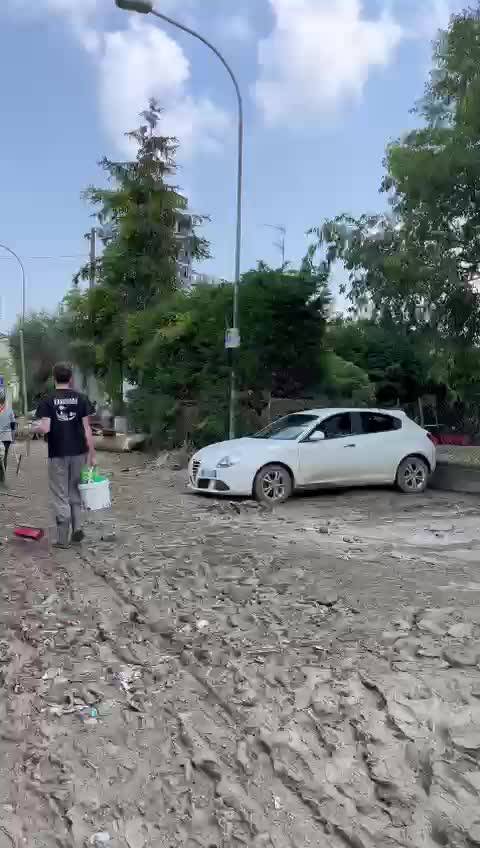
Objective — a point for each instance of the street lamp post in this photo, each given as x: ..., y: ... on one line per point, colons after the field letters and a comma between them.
x: 146, y: 7
x: 22, y: 326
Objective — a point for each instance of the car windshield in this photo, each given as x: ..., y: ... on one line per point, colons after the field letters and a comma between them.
x: 288, y: 428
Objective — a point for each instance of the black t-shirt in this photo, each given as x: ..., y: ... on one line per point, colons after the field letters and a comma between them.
x: 66, y: 410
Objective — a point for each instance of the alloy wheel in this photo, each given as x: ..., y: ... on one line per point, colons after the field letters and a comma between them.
x: 414, y: 476
x: 273, y: 485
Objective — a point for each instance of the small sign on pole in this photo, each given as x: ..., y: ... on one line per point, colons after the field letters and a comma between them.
x: 232, y: 338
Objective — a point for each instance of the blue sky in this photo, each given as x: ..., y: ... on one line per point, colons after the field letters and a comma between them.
x: 326, y: 84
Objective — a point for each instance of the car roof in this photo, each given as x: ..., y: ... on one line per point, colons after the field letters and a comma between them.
x: 325, y: 412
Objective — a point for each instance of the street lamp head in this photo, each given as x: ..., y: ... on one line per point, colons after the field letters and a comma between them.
x: 142, y: 6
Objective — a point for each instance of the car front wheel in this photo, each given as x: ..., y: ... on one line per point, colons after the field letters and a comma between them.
x: 412, y: 475
x: 273, y: 484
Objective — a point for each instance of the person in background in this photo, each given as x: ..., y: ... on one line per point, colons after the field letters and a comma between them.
x: 63, y: 416
x: 7, y: 432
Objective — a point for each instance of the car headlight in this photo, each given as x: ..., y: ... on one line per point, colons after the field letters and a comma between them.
x: 228, y: 461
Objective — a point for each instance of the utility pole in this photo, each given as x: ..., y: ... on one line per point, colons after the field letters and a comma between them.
x: 92, y: 238
x: 280, y: 244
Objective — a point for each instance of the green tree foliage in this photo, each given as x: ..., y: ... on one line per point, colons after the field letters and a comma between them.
x: 415, y: 263
x: 177, y: 350
x: 137, y: 270
x: 345, y: 381
x: 396, y: 362
x: 427, y: 249
x: 46, y: 342
x: 170, y: 344
x: 283, y: 320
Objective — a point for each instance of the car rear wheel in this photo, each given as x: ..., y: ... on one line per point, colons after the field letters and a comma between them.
x: 273, y: 484
x: 412, y: 475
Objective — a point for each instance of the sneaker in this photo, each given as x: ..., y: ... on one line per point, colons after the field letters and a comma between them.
x: 78, y: 536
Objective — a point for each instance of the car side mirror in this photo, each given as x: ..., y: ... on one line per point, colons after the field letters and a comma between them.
x: 317, y: 436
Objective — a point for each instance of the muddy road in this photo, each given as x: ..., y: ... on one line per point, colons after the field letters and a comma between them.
x: 208, y: 674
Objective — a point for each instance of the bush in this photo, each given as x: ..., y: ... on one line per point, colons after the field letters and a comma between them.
x: 347, y: 381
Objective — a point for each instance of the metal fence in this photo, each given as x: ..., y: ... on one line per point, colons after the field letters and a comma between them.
x: 454, y: 422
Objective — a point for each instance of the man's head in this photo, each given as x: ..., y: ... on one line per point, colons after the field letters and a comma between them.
x: 62, y: 374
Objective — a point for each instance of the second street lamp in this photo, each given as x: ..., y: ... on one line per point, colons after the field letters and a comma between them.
x: 145, y: 7
x: 21, y: 330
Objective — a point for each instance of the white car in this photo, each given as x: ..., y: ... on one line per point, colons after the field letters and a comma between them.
x: 315, y: 448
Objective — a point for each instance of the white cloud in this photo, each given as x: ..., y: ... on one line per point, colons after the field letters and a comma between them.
x: 422, y: 20
x: 319, y: 55
x: 143, y: 61
x: 134, y: 64
x: 236, y: 28
x: 433, y: 16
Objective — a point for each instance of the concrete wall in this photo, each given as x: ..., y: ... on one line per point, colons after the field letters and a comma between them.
x: 456, y: 478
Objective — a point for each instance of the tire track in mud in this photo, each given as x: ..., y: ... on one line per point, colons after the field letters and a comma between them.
x: 35, y: 777
x: 226, y: 779
x: 344, y: 834
x: 255, y: 729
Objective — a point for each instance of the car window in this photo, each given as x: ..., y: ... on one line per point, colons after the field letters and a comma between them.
x: 288, y: 428
x: 373, y: 422
x: 336, y: 426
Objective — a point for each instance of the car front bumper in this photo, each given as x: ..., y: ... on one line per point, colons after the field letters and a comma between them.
x: 227, y: 481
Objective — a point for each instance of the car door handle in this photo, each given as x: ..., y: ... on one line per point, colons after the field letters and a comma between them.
x: 350, y: 446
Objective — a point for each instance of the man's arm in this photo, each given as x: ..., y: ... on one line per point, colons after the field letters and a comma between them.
x: 42, y: 426
x: 43, y: 419
x: 92, y: 457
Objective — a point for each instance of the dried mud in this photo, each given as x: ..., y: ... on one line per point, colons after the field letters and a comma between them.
x: 210, y: 674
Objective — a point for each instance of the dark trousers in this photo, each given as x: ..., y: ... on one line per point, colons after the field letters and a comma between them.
x: 3, y: 462
x: 6, y: 445
x: 64, y: 477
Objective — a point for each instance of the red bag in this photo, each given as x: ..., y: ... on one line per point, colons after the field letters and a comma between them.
x: 33, y: 533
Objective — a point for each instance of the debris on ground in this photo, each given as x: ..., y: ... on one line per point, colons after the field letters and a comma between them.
x: 211, y: 682
x: 239, y: 507
x: 175, y: 460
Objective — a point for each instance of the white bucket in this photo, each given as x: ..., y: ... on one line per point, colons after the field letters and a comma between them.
x: 95, y: 495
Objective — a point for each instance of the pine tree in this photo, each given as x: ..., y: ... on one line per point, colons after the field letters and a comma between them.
x: 136, y: 218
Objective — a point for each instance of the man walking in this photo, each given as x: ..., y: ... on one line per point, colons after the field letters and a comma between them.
x: 63, y: 417
x: 7, y: 432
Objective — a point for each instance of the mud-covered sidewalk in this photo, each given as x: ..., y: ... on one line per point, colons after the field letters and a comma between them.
x: 205, y: 674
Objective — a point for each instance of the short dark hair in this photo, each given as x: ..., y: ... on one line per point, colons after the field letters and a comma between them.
x: 62, y: 373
